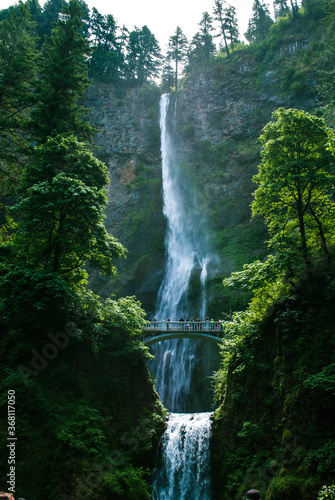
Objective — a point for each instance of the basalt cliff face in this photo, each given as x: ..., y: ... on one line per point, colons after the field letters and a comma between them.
x: 220, y: 113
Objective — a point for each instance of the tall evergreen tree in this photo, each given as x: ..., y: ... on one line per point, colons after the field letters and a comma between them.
x: 232, y: 24
x: 143, y: 55
x: 219, y: 13
x: 167, y: 80
x: 107, y: 58
x: 260, y: 23
x: 63, y: 79
x: 202, y: 45
x: 17, y: 79
x: 281, y: 8
x: 177, y: 52
x: 49, y: 16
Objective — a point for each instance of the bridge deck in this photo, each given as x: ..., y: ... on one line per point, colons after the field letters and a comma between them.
x: 183, y: 326
x: 157, y: 331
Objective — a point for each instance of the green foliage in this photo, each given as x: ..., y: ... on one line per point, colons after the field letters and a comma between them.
x: 286, y: 487
x: 202, y: 46
x: 107, y: 59
x: 128, y: 484
x: 61, y: 210
x: 323, y: 381
x: 143, y: 55
x: 84, y: 432
x: 295, y: 182
x: 327, y: 492
x: 260, y: 23
x: 177, y: 52
x: 35, y: 298
x: 17, y: 79
x: 63, y: 79
x: 322, y: 459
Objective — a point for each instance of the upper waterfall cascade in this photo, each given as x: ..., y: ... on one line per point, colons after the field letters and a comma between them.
x: 186, y: 240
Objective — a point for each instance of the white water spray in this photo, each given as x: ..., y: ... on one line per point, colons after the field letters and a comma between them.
x: 185, y: 469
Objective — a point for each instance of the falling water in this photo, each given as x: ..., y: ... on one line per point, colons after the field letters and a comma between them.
x: 182, y: 469
x: 185, y: 470
x: 187, y: 238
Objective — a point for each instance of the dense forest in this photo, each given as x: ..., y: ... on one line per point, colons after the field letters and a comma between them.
x: 73, y: 367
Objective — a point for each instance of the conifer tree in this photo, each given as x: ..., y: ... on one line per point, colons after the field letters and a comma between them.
x: 167, y: 77
x: 177, y: 51
x: 260, y: 23
x: 202, y: 46
x: 143, y: 55
x: 219, y: 13
x: 107, y: 58
x: 63, y: 79
x: 281, y: 8
x: 17, y: 79
x: 232, y: 24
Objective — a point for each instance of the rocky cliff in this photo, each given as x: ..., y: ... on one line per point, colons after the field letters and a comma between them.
x: 220, y: 114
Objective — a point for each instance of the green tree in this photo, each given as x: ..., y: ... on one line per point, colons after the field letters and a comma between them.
x: 296, y: 181
x: 60, y: 213
x: 107, y: 58
x: 260, y: 23
x: 219, y: 13
x: 315, y: 9
x: 63, y: 79
x: 167, y: 81
x: 294, y: 8
x: 202, y: 46
x: 143, y: 55
x: 17, y: 79
x: 232, y: 24
x: 281, y: 8
x: 177, y: 52
x: 49, y: 15
x: 226, y: 17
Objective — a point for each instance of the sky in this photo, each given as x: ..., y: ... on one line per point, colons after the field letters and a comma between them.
x: 162, y: 18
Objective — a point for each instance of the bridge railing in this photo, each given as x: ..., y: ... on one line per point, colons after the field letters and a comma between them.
x: 184, y: 326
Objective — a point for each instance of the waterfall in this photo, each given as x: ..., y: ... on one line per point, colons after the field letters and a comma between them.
x: 185, y: 471
x: 182, y: 469
x: 186, y: 240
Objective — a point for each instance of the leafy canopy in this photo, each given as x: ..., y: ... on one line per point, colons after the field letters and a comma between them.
x: 296, y: 181
x: 60, y: 212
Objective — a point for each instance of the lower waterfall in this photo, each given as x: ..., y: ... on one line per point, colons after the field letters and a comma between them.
x: 183, y: 470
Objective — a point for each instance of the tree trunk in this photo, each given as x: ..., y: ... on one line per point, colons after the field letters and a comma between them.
x: 322, y: 236
x: 225, y: 41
